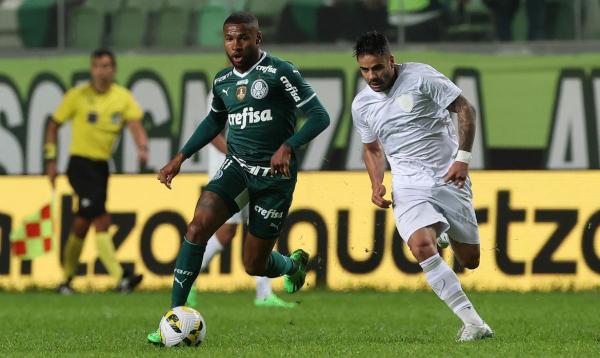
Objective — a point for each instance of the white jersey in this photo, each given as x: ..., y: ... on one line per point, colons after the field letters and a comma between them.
x: 412, y: 123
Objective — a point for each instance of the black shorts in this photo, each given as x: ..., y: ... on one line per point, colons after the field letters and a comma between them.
x: 89, y: 179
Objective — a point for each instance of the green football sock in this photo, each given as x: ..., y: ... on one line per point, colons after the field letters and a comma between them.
x: 279, y: 265
x: 186, y: 270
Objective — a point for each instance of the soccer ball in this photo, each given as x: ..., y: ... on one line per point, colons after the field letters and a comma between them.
x: 182, y: 326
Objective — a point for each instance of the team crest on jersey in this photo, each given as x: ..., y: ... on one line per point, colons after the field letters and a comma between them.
x: 405, y: 102
x: 259, y: 89
x: 240, y: 93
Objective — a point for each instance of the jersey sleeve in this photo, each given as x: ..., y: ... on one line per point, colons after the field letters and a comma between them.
x: 217, y: 105
x: 132, y: 111
x: 439, y: 88
x: 66, y: 108
x: 297, y: 90
x: 361, y: 126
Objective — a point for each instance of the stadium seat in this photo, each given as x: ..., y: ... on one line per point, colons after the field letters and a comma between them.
x: 172, y: 27
x: 145, y: 5
x: 85, y: 28
x: 129, y: 28
x: 37, y: 23
x: 9, y: 26
x: 230, y: 5
x: 268, y: 14
x: 210, y: 24
x: 305, y: 14
x: 560, y: 20
x: 519, y: 24
x: 189, y: 5
x: 104, y: 6
x: 475, y: 23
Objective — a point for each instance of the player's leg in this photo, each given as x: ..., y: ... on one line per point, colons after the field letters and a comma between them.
x: 265, y: 297
x: 446, y: 284
x: 217, y: 242
x: 214, y: 246
x: 419, y: 220
x: 106, y: 248
x: 78, y: 173
x: 466, y: 254
x: 210, y: 213
x: 224, y: 195
x: 456, y: 205
x: 261, y: 260
x: 72, y: 252
x: 270, y: 200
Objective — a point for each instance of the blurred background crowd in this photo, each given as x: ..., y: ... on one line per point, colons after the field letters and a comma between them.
x: 86, y: 24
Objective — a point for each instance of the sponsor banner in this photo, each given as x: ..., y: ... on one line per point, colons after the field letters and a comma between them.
x: 539, y: 231
x: 547, y: 105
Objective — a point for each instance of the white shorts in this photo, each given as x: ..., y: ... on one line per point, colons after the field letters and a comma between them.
x: 215, y: 159
x: 446, y: 205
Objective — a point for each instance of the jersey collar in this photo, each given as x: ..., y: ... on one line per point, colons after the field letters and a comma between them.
x: 242, y: 75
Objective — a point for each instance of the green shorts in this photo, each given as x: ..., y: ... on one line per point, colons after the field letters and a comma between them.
x: 269, y: 197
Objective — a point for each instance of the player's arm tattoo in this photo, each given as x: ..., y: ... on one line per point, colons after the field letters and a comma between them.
x: 466, y: 122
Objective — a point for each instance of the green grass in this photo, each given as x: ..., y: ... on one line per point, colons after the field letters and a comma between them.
x: 332, y: 324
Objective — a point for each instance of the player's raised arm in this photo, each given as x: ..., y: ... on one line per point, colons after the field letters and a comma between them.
x: 459, y: 170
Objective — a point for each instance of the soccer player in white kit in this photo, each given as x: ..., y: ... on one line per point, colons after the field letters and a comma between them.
x: 264, y: 290
x: 403, y: 115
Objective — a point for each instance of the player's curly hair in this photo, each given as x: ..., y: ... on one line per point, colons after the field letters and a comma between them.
x: 371, y: 43
x: 241, y: 18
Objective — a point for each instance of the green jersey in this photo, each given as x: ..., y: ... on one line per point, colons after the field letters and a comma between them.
x: 261, y: 106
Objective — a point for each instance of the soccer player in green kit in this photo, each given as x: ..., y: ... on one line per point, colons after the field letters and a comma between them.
x: 258, y: 97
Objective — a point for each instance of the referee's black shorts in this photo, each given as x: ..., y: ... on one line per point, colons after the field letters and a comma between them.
x: 89, y: 179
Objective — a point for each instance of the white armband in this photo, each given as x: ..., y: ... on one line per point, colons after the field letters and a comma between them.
x: 463, y: 156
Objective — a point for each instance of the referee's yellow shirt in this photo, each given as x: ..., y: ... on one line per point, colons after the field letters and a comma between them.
x: 97, y: 118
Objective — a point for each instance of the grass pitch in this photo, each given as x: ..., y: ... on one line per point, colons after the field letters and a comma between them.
x: 332, y: 324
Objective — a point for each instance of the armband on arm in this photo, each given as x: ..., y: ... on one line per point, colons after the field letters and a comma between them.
x: 50, y: 151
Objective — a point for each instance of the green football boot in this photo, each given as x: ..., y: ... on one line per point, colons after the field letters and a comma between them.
x: 154, y: 337
x: 273, y: 301
x: 192, y: 299
x: 294, y: 282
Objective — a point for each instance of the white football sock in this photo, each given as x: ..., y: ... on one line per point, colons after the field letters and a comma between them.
x: 263, y: 287
x: 446, y: 285
x: 213, y: 247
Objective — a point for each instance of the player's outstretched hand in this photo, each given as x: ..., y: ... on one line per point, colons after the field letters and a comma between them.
x: 378, y: 199
x: 457, y: 174
x: 280, y: 161
x: 169, y: 171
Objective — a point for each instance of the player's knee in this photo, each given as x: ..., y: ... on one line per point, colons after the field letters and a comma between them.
x: 422, y: 250
x: 254, y: 268
x: 196, y: 232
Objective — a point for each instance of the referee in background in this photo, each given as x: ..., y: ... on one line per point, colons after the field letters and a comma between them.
x: 99, y: 110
